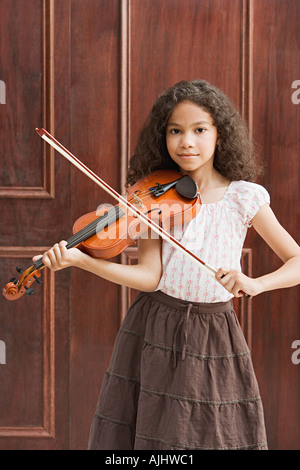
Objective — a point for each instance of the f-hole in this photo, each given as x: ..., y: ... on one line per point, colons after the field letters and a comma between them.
x: 153, y: 210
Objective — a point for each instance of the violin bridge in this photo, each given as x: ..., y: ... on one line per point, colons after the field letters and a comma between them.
x: 137, y: 200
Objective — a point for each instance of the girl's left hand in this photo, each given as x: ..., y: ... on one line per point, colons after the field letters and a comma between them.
x: 59, y: 257
x: 235, y: 281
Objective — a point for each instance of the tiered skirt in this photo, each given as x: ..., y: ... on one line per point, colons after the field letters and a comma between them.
x: 180, y: 377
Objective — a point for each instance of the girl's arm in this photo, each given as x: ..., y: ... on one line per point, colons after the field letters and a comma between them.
x: 145, y: 275
x: 279, y: 240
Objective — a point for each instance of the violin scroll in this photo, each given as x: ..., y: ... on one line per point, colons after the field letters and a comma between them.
x: 15, y: 288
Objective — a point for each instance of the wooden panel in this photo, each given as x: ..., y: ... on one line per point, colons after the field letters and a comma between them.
x: 34, y: 384
x: 94, y: 105
x: 28, y: 76
x: 29, y: 369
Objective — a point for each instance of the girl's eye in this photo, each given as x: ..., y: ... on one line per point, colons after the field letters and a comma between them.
x: 175, y: 131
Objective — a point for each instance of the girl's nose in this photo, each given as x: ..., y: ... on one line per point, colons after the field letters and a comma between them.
x: 187, y: 140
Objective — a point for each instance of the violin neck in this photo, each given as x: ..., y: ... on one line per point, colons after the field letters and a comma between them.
x: 99, y: 224
x: 38, y: 264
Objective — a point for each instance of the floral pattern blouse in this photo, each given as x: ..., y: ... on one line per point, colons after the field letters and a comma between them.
x: 216, y: 236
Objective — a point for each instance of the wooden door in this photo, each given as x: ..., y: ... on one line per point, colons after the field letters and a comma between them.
x: 88, y: 71
x: 59, y: 62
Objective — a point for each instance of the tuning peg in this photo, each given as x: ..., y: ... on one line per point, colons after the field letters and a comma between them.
x: 29, y: 290
x: 20, y: 270
x: 14, y: 280
x: 38, y: 280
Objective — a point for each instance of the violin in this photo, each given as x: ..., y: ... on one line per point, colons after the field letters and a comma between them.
x: 156, y: 203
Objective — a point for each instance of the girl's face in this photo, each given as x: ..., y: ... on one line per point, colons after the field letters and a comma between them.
x: 191, y: 137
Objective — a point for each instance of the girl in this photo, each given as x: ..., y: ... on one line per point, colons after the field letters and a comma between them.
x: 181, y: 376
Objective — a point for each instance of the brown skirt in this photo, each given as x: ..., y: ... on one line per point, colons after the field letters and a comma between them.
x: 180, y: 377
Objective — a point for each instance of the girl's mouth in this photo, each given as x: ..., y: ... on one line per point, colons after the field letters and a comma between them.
x: 187, y: 155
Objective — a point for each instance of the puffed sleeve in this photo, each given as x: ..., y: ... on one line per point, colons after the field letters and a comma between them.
x: 251, y: 197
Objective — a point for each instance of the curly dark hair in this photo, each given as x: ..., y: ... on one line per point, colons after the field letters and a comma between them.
x: 235, y: 156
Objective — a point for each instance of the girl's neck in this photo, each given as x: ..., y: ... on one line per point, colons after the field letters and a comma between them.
x: 212, y: 185
x: 208, y: 179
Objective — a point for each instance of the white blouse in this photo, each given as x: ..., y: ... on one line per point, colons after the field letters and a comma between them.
x: 216, y: 236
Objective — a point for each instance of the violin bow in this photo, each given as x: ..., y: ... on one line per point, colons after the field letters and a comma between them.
x: 121, y: 200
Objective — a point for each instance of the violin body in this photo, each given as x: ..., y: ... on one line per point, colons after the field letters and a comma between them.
x: 167, y: 210
x: 166, y: 197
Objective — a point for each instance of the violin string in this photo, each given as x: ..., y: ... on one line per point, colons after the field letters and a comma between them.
x: 86, y: 232
x: 142, y: 196
x: 145, y: 191
x: 81, y: 235
x: 90, y: 229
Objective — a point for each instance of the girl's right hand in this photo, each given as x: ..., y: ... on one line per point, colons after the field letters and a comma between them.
x: 59, y: 257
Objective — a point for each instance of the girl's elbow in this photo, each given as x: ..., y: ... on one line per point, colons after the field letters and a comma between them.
x: 152, y: 283
x: 151, y: 286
